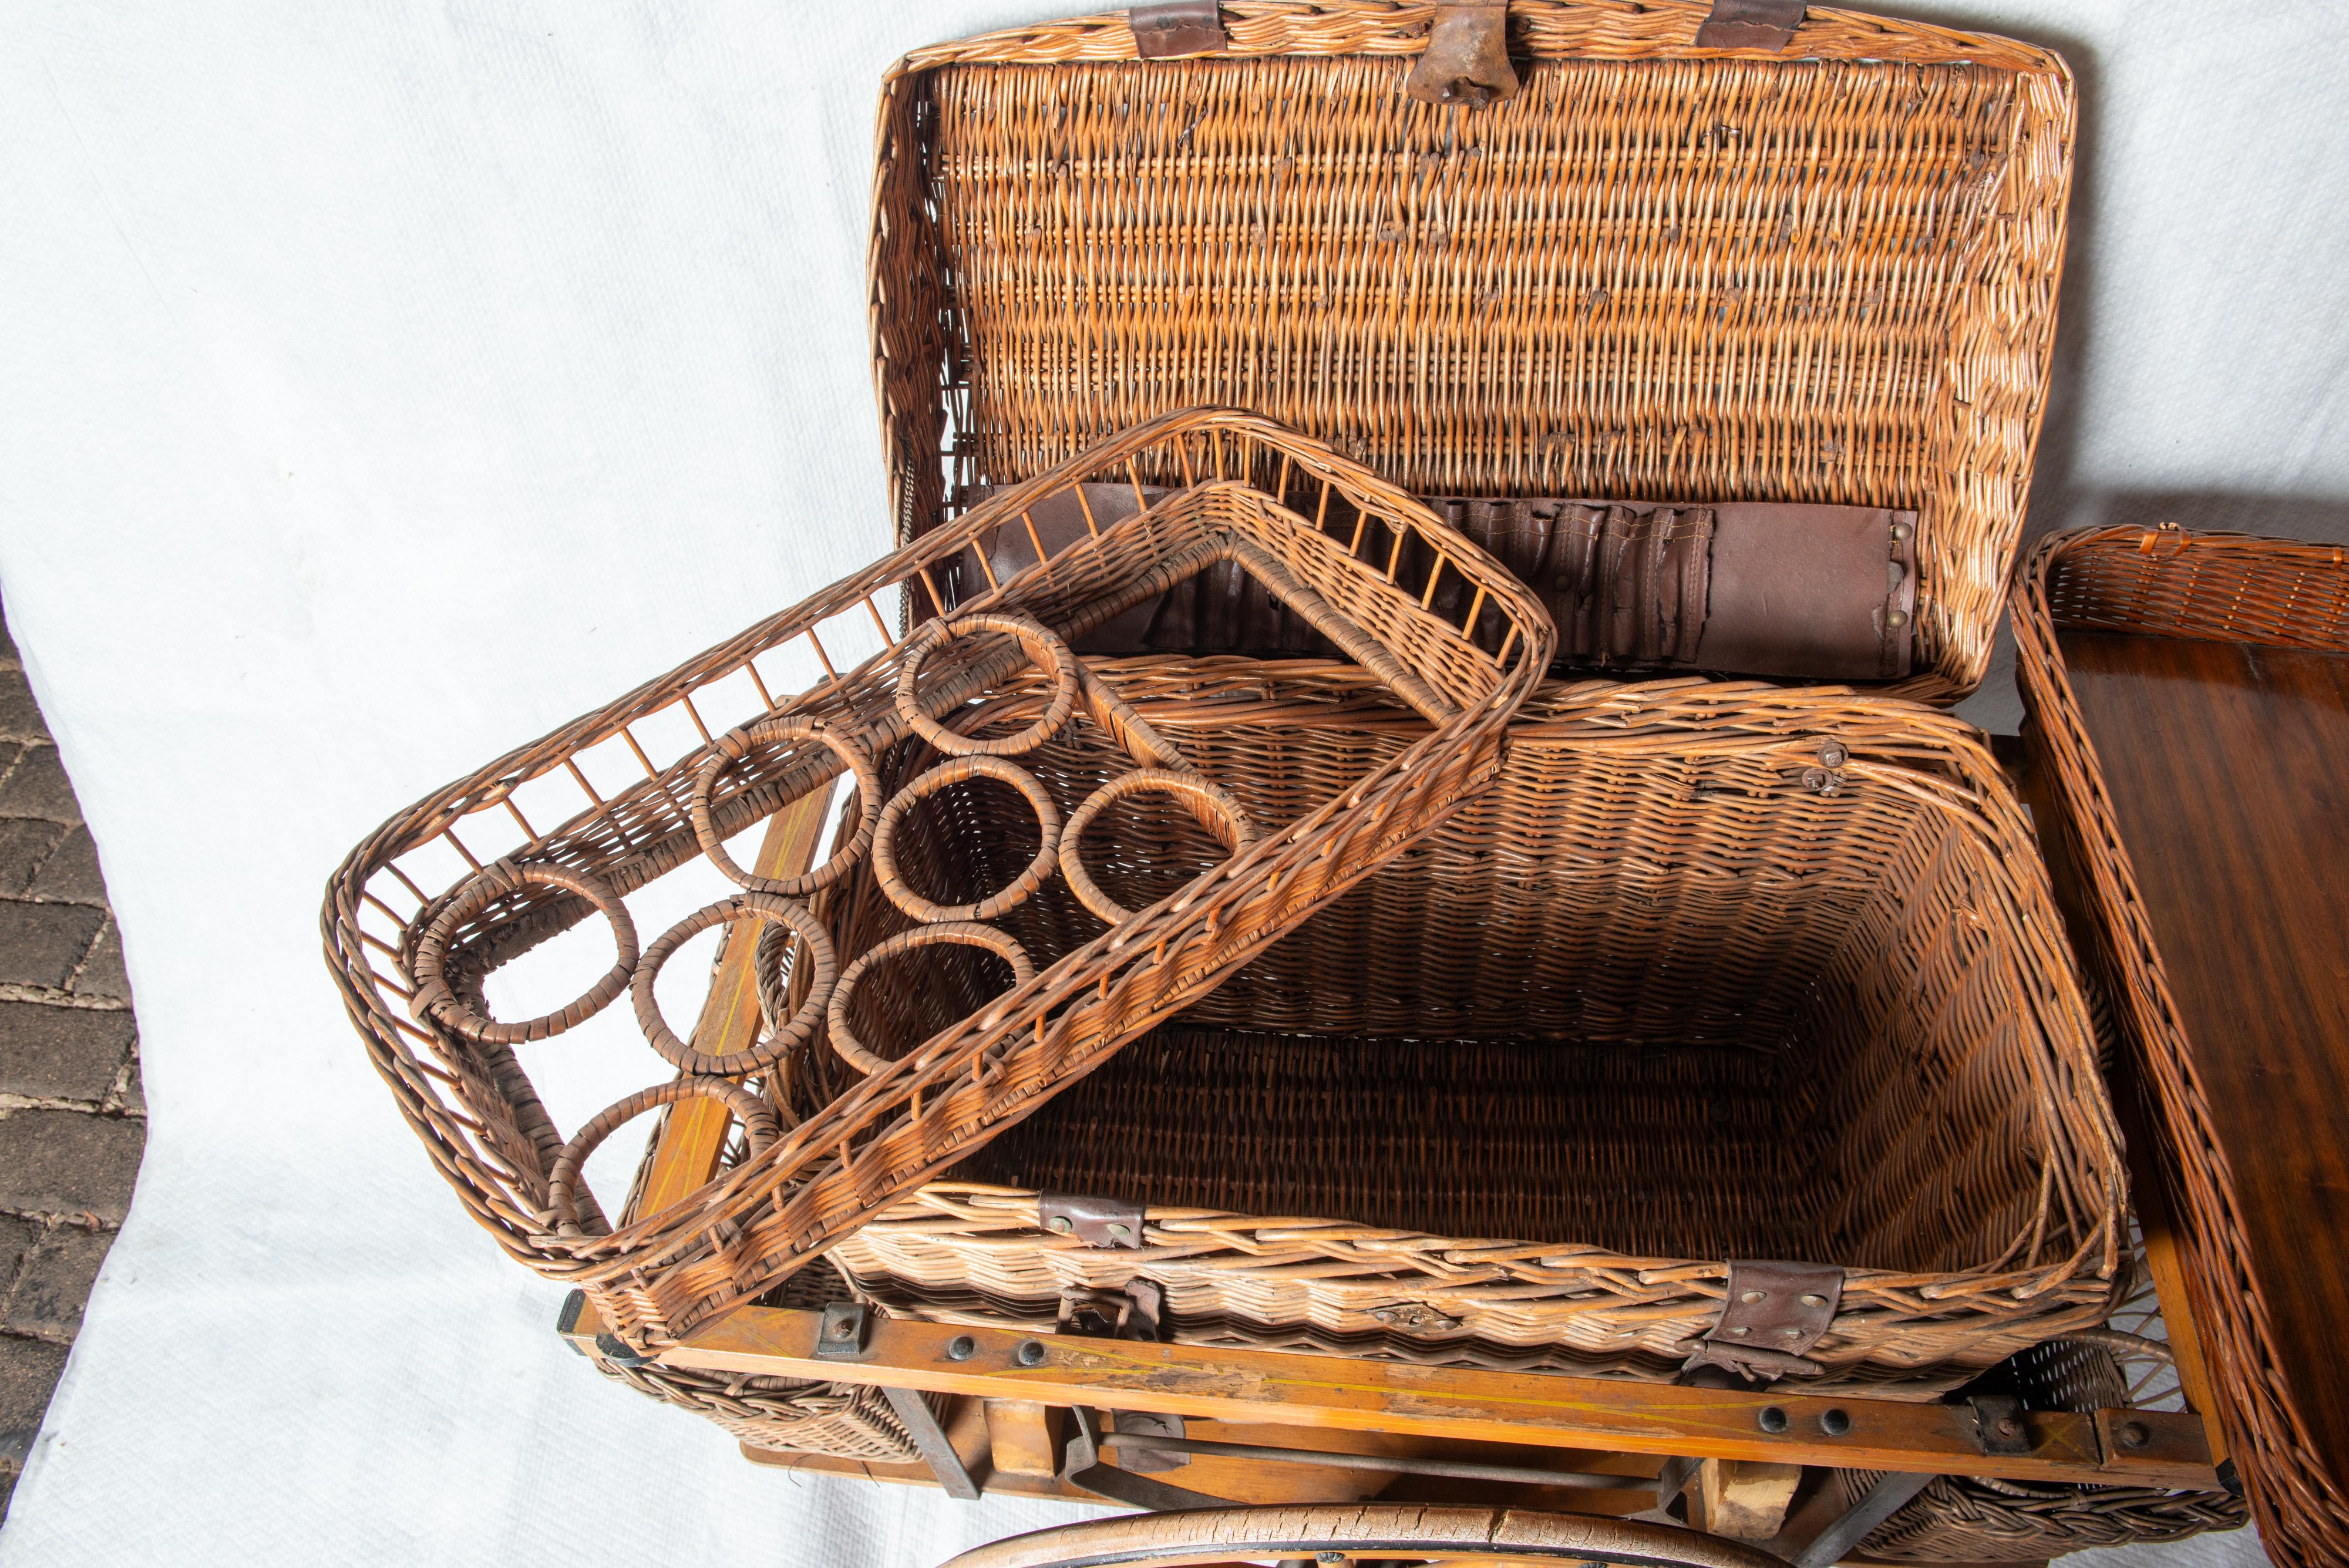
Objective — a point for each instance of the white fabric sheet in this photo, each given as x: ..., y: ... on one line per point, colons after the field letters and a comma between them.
x: 388, y: 383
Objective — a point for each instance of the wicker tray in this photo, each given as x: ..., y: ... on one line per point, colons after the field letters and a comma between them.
x: 2274, y: 594
x: 1714, y: 971
x: 1819, y: 273
x: 411, y: 942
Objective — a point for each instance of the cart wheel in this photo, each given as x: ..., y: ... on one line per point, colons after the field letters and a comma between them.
x: 1332, y: 1533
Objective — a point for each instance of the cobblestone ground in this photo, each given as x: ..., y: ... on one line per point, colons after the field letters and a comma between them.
x: 73, y: 1122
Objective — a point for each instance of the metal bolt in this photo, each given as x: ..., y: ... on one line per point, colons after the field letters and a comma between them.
x: 1059, y: 1224
x: 1029, y: 1354
x: 1772, y: 1419
x: 2010, y: 1426
x: 961, y: 1348
x: 1812, y: 1299
x: 1832, y: 755
x: 1901, y: 531
x: 1819, y: 780
x: 1835, y: 1423
x: 839, y: 1328
x: 2133, y: 1435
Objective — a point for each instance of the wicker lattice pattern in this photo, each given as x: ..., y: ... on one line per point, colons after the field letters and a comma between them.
x: 1711, y: 970
x: 2167, y: 581
x: 411, y: 945
x: 1828, y: 274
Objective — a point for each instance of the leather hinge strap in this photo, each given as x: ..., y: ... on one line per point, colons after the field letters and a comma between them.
x: 1467, y: 57
x: 1750, y: 25
x: 1096, y: 1221
x: 1773, y: 1313
x: 1176, y: 27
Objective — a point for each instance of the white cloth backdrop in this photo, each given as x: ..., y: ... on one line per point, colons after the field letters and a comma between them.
x: 384, y: 384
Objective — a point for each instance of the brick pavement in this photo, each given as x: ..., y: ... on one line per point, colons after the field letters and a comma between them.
x: 72, y: 1118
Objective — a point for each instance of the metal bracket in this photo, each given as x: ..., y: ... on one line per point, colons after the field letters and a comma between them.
x: 841, y: 1337
x: 930, y: 1441
x: 1096, y: 1221
x: 1771, y: 1312
x: 1750, y: 25
x: 2000, y: 1427
x: 1884, y: 1500
x: 1081, y: 1467
x: 1138, y: 1312
x: 1176, y: 27
x: 617, y: 1351
x: 1467, y: 58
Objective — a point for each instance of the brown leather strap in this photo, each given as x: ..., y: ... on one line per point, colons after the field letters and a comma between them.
x: 1771, y: 1312
x: 1750, y: 25
x: 1176, y: 27
x: 1467, y: 57
x: 1737, y: 587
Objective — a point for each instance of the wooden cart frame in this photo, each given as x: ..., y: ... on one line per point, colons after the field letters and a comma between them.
x: 1067, y: 1416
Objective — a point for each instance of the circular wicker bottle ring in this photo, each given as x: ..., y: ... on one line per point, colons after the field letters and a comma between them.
x: 954, y: 933
x: 1047, y: 651
x: 731, y: 747
x: 563, y: 1184
x: 761, y: 1053
x: 434, y: 997
x: 1039, y: 870
x: 1216, y: 811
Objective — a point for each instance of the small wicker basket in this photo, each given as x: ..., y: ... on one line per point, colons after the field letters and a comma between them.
x: 411, y: 941
x: 1714, y: 971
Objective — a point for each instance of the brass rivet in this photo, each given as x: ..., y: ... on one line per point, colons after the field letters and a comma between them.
x: 1750, y: 1297
x: 1061, y: 1224
x: 1812, y: 1299
x: 1741, y: 1330
x: 1121, y: 1231
x: 1894, y: 618
x: 1901, y: 531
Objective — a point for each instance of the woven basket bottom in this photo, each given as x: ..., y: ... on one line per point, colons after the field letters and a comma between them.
x: 1668, y: 1151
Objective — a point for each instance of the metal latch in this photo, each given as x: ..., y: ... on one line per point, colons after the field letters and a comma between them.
x: 1138, y: 1312
x: 1467, y: 57
x: 1773, y: 1313
x: 1176, y: 27
x: 1750, y: 25
x: 1096, y: 1221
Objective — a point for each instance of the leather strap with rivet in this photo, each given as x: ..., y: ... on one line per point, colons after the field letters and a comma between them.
x: 1772, y: 1313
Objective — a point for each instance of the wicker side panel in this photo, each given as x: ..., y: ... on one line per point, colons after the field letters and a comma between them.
x: 2217, y: 586
x: 1655, y: 272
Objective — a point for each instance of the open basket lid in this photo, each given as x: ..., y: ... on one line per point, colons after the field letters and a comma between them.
x: 1665, y: 261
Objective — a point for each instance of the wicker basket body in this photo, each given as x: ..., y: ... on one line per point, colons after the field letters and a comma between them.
x: 2218, y: 588
x: 1712, y: 971
x: 410, y: 944
x: 1821, y: 274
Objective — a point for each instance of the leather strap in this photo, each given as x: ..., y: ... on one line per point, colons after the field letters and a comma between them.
x: 1176, y: 27
x: 1771, y: 1314
x: 1750, y: 25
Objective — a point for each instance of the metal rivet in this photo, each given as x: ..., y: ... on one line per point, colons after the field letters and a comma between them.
x: 1061, y: 1224
x: 961, y: 1348
x: 1896, y: 618
x: 1812, y: 1299
x: 2133, y: 1435
x: 840, y: 1330
x: 1741, y: 1330
x: 1752, y: 1296
x: 1121, y: 1231
x: 1029, y: 1354
x: 1772, y: 1419
x: 1383, y: 1315
x: 1832, y: 755
x: 1836, y: 1423
x: 1790, y: 1334
x: 1901, y: 531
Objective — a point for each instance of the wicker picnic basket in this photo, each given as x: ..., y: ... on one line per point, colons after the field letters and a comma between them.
x: 1816, y: 267
x: 1714, y: 971
x: 423, y: 911
x: 2224, y: 588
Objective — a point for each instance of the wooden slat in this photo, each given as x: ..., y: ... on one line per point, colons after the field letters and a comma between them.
x: 1542, y: 1409
x: 693, y: 1135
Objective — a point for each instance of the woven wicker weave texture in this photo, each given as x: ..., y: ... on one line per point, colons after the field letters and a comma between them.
x: 2224, y: 588
x: 412, y: 961
x: 1657, y: 271
x: 1670, y: 991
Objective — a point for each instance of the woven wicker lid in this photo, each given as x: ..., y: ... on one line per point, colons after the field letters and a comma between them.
x: 1826, y: 273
